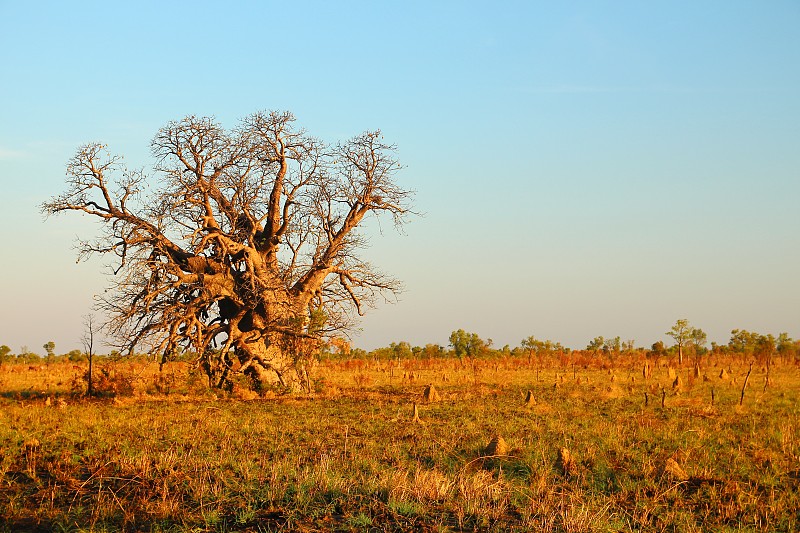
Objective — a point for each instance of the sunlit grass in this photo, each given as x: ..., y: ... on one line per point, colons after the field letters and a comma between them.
x: 350, y: 457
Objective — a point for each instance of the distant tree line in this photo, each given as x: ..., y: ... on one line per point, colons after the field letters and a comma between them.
x: 26, y: 356
x: 689, y: 342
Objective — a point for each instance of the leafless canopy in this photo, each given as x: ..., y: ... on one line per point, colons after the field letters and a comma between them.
x: 242, y: 245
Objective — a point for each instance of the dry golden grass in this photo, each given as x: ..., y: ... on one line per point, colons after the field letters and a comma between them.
x: 166, y: 454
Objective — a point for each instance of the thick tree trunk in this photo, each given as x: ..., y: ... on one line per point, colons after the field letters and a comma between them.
x: 267, y: 364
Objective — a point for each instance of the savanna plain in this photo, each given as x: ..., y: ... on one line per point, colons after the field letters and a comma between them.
x: 569, y: 442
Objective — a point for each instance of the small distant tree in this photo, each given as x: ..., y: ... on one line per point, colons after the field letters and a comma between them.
x: 743, y: 342
x: 658, y: 349
x: 612, y: 345
x: 431, y: 351
x: 596, y: 344
x: 786, y: 347
x: 463, y: 343
x: 89, y: 331
x: 547, y: 346
x: 530, y: 344
x: 401, y: 350
x: 477, y: 345
x: 26, y: 356
x: 75, y: 356
x: 681, y: 333
x: 5, y: 354
x: 698, y: 339
x: 628, y: 345
x: 765, y: 348
x: 50, y: 350
x: 358, y: 353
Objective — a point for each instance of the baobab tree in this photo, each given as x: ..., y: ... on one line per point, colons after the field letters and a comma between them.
x: 241, y: 246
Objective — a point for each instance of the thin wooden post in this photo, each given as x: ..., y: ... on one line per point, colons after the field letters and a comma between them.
x: 744, y: 385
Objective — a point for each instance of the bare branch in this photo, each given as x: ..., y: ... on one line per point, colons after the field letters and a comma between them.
x: 248, y: 240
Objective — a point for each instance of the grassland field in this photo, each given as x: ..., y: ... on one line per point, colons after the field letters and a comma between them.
x: 597, y: 446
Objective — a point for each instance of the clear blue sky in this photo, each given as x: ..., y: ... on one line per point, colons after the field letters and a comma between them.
x: 584, y: 168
